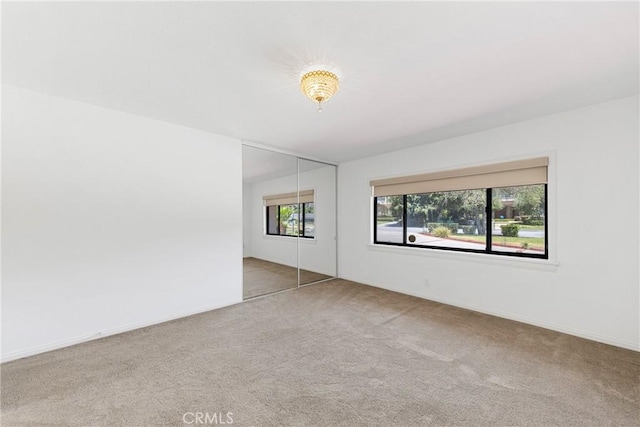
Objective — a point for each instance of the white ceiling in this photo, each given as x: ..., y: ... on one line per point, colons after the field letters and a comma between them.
x: 412, y: 72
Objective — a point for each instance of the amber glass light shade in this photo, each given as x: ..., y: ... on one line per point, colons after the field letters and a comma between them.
x: 319, y: 86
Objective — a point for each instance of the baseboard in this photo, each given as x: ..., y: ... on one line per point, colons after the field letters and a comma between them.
x: 32, y: 351
x: 143, y: 324
x: 511, y: 316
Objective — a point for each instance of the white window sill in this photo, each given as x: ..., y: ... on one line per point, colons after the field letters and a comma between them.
x: 487, y: 259
x: 307, y: 240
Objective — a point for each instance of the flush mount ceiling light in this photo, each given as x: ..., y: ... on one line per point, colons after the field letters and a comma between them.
x: 319, y: 86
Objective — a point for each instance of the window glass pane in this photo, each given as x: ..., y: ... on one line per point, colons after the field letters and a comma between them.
x: 272, y: 220
x: 389, y: 214
x: 289, y: 220
x: 309, y: 228
x: 450, y: 219
x: 518, y: 220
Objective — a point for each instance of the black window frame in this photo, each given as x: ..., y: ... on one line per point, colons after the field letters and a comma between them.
x: 301, y: 224
x: 488, y: 218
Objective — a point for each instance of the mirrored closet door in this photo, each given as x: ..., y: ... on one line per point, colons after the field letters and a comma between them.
x: 289, y: 216
x: 317, y: 244
x: 270, y: 239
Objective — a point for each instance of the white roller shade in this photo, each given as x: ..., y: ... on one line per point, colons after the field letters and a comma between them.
x: 305, y: 196
x: 508, y: 174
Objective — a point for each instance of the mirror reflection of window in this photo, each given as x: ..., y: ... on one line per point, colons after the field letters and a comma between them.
x: 270, y: 255
x: 308, y: 229
x: 272, y: 220
x: 289, y: 233
x: 317, y: 243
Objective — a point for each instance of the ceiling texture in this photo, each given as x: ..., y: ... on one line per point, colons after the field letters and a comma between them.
x: 411, y: 72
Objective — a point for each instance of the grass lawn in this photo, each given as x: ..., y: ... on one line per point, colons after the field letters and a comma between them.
x: 499, y: 222
x: 535, y: 243
x: 531, y: 227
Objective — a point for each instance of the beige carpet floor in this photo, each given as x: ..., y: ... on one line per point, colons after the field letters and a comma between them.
x: 263, y: 277
x: 336, y: 353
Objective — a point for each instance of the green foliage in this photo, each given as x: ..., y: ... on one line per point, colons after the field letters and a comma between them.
x: 533, y: 221
x: 442, y: 232
x: 416, y: 210
x: 285, y: 213
x: 529, y: 200
x: 468, y: 229
x: 449, y: 209
x: 496, y: 202
x: 396, y: 206
x: 510, y: 230
x: 452, y: 226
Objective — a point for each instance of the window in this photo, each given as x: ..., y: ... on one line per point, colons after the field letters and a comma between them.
x: 390, y: 212
x: 290, y: 214
x: 496, y: 219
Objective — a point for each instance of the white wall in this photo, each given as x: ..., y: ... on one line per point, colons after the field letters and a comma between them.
x: 593, y: 291
x: 317, y: 254
x: 281, y: 250
x: 111, y: 222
